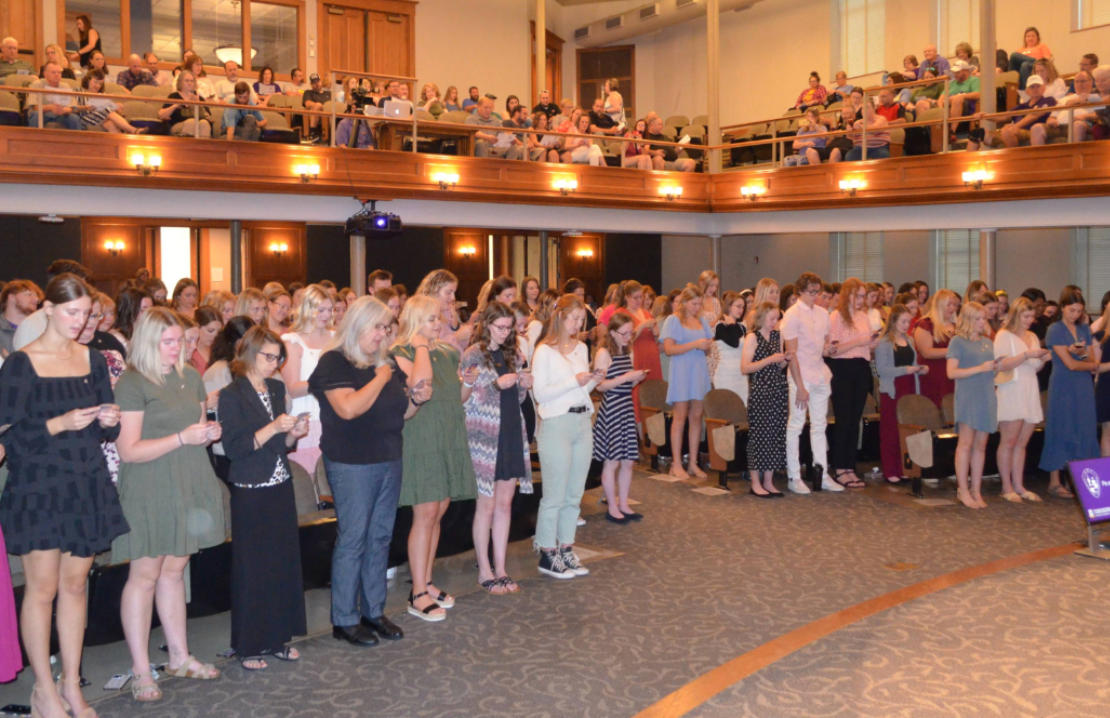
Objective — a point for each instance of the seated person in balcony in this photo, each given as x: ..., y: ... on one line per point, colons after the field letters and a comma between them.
x: 894, y: 112
x: 486, y: 139
x: 54, y: 53
x: 267, y: 86
x: 470, y: 104
x: 932, y: 59
x: 60, y: 109
x: 546, y: 106
x: 570, y: 120
x: 878, y: 136
x: 582, y: 150
x: 392, y: 93
x: 428, y: 94
x: 181, y: 118
x: 840, y: 145
x: 10, y: 61
x: 856, y: 99
x: 404, y: 89
x: 600, y: 122
x: 901, y: 96
x: 815, y: 94
x: 925, y: 97
x: 1057, y: 124
x: 911, y: 67
x: 665, y: 157
x: 161, y: 77
x: 842, y: 92
x: 964, y: 52
x: 815, y: 150
x: 542, y: 148
x: 1054, y: 85
x: 135, y: 75
x: 516, y: 121
x: 101, y: 111
x: 963, y: 92
x: 451, y: 99
x: 365, y: 140
x: 240, y: 123
x: 511, y: 103
x: 314, y: 99
x: 1022, y: 62
x: 1087, y: 64
x: 225, y: 88
x: 205, y: 87
x: 296, y: 86
x: 98, y: 61
x: 1101, y: 129
x: 1016, y: 132
x: 635, y: 155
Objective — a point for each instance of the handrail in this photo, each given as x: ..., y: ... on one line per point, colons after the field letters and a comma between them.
x: 372, y: 76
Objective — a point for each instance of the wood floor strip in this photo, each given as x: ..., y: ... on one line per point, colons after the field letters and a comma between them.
x: 702, y: 689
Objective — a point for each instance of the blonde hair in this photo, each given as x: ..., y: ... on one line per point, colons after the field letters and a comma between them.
x: 553, y: 327
x: 933, y: 314
x: 272, y: 287
x: 435, y: 281
x: 143, y: 355
x: 1052, y: 75
x: 1012, y: 323
x: 361, y: 316
x: 763, y: 290
x: 689, y: 293
x: 706, y: 278
x: 965, y: 323
x: 247, y: 297
x: 304, y: 321
x: 418, y: 311
x: 216, y: 299
x: 424, y: 92
x: 761, y: 313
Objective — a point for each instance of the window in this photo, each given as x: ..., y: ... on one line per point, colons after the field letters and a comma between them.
x: 862, y: 36
x: 218, y: 31
x: 157, y: 26
x: 107, y: 19
x: 957, y: 258
x: 1092, y: 264
x: 959, y: 22
x: 861, y: 256
x: 1093, y: 13
x: 595, y: 66
x: 274, y: 36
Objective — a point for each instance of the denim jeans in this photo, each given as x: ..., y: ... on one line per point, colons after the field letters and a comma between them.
x: 873, y: 153
x: 366, y: 498
x: 1023, y: 65
x: 566, y: 445
x: 71, y: 121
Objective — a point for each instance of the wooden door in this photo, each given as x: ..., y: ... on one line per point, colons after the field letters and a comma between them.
x: 345, y: 39
x: 18, y: 20
x: 389, y: 36
x: 553, y: 77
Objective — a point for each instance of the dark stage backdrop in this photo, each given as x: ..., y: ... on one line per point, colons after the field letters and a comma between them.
x: 410, y: 256
x: 634, y: 256
x: 29, y: 246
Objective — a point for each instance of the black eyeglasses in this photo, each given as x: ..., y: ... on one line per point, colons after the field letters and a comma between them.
x: 272, y: 358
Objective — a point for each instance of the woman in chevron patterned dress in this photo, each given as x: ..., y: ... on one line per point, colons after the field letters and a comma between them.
x: 615, y: 441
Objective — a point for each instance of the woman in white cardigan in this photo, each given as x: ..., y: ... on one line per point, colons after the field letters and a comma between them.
x: 562, y: 385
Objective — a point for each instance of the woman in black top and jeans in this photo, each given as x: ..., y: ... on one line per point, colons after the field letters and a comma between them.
x: 267, y: 593
x: 363, y: 407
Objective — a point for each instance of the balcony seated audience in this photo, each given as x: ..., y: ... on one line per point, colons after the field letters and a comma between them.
x: 343, y: 130
x: 266, y: 86
x: 161, y: 77
x: 965, y: 53
x: 546, y: 106
x: 1032, y: 50
x: 1057, y: 124
x: 101, y: 112
x: 225, y: 88
x: 393, y: 91
x: 240, y: 123
x: 614, y: 103
x: 635, y: 154
x: 1016, y: 132
x: 181, y: 118
x: 894, y: 112
x: 963, y: 91
x: 1087, y: 64
x: 98, y: 61
x: 901, y: 96
x: 314, y: 99
x: 1101, y: 129
x: 135, y: 75
x: 815, y: 94
x: 489, y: 144
x: 542, y: 148
x: 205, y: 87
x: 910, y: 67
x: 925, y: 97
x: 815, y: 150
x: 843, y: 89
x: 55, y: 54
x: 932, y: 59
x: 57, y: 109
x: 10, y: 61
x: 296, y: 85
x: 600, y: 122
x: 511, y: 103
x: 878, y: 135
x: 1054, y: 85
x: 428, y: 94
x: 470, y: 104
x: 665, y: 156
x: 582, y: 150
x: 451, y: 100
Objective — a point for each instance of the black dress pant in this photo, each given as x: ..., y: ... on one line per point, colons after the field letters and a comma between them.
x: 851, y: 381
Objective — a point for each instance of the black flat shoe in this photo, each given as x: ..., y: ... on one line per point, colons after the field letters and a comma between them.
x: 384, y: 627
x: 633, y: 516
x: 761, y: 496
x: 355, y: 635
x: 614, y: 520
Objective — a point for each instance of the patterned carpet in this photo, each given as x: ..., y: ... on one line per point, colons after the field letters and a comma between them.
x: 704, y: 579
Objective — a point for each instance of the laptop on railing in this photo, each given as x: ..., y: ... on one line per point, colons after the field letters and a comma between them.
x: 397, y: 109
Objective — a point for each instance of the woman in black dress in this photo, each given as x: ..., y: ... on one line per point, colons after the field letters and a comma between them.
x: 765, y: 362
x: 59, y: 508
x: 267, y: 594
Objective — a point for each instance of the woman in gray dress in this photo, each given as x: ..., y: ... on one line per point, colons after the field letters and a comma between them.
x: 971, y: 364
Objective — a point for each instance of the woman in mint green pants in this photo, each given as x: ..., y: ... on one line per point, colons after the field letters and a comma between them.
x: 562, y: 386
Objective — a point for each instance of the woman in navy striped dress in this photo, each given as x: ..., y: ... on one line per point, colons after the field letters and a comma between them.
x: 615, y: 441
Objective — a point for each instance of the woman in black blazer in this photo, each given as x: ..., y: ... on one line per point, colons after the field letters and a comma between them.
x: 267, y: 591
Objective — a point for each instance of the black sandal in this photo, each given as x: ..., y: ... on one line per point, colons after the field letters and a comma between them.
x: 284, y: 654
x: 853, y: 484
x: 425, y: 614
x: 257, y: 659
x: 508, y: 583
x: 489, y: 585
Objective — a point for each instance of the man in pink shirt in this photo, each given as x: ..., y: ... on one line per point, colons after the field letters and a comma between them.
x: 805, y: 327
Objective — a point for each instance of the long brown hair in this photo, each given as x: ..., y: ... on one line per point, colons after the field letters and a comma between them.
x: 496, y: 310
x: 553, y: 327
x: 618, y: 320
x: 889, y: 330
x: 847, y: 291
x: 626, y: 289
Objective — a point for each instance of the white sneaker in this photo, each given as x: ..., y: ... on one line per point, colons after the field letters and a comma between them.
x: 798, y: 486
x: 581, y: 521
x: 828, y: 484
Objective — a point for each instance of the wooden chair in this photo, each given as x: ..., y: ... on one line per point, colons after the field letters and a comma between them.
x: 948, y: 409
x: 725, y: 408
x: 653, y: 400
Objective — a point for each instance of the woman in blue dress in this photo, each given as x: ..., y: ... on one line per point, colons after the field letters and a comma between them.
x: 971, y: 364
x: 686, y: 338
x: 1071, y: 431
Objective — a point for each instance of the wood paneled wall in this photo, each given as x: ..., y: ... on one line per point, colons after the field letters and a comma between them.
x: 264, y: 264
x: 471, y: 269
x: 19, y: 19
x: 574, y: 262
x: 111, y: 271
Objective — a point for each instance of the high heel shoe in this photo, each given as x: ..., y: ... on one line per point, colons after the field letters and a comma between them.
x: 761, y: 496
x: 58, y: 687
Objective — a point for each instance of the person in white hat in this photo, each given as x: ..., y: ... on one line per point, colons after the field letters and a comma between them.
x: 1016, y: 132
x: 963, y: 92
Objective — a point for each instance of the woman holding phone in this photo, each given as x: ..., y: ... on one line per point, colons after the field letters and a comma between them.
x: 851, y: 340
x: 59, y: 508
x: 765, y: 361
x: 686, y: 339
x: 971, y: 364
x: 169, y: 494
x: 896, y: 363
x: 304, y: 343
x: 267, y: 591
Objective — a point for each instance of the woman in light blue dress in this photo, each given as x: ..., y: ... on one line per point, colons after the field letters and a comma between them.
x: 686, y: 338
x: 971, y: 364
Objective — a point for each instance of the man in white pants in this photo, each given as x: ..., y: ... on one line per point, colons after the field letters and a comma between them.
x: 805, y: 328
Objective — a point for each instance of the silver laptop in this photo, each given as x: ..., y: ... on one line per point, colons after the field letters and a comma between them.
x: 397, y: 109
x: 372, y: 111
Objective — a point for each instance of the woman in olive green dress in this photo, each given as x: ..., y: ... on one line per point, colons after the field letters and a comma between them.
x: 169, y: 493
x: 436, y: 464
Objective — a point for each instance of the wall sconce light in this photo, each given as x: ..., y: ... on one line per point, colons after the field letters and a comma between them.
x: 279, y: 248
x: 850, y: 187
x: 671, y: 193
x: 144, y: 165
x: 114, y: 248
x: 566, y: 186
x: 585, y: 253
x: 446, y: 180
x: 975, y: 178
x: 308, y: 173
x: 752, y: 192
x: 468, y: 251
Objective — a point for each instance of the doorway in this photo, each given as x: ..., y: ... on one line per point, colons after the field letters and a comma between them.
x: 553, y: 77
x: 376, y: 36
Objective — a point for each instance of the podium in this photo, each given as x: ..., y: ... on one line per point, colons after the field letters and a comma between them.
x: 1092, y: 485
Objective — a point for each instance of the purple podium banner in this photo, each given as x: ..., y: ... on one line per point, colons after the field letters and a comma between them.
x: 1092, y: 483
